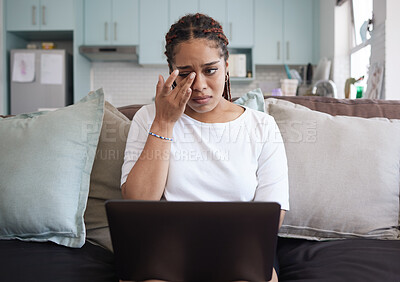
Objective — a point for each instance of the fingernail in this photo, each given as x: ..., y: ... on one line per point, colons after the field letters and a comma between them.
x: 176, y: 71
x: 192, y: 75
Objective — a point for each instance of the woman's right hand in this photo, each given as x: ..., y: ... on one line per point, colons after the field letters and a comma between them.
x: 171, y: 103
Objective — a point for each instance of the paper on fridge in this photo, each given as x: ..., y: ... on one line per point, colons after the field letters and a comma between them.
x: 23, y: 67
x: 51, y: 69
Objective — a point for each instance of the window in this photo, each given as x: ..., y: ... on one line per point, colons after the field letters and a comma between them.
x: 361, y: 52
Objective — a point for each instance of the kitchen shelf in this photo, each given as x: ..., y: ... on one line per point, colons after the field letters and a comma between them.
x: 250, y: 67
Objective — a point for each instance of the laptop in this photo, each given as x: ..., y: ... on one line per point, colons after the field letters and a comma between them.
x: 193, y: 241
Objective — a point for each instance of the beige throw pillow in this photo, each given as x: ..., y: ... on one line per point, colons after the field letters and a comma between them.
x: 106, y: 175
x: 343, y: 174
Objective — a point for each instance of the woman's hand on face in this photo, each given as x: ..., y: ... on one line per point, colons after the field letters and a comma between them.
x: 171, y: 103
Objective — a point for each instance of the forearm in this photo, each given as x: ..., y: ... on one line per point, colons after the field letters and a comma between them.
x: 281, y: 218
x: 147, y: 178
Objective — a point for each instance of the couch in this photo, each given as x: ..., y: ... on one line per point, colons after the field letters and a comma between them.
x: 344, y: 219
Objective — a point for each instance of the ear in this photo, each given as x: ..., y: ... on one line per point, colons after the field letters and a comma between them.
x: 227, y: 65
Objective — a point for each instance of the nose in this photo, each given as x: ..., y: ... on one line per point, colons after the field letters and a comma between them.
x: 199, y: 83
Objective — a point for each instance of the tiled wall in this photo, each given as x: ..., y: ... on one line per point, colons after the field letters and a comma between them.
x: 129, y: 83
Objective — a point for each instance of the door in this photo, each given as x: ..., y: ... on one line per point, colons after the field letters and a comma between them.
x: 22, y: 15
x: 153, y: 27
x: 240, y: 23
x: 98, y: 22
x: 268, y: 47
x: 56, y: 14
x: 125, y: 22
x: 298, y: 31
x: 179, y: 8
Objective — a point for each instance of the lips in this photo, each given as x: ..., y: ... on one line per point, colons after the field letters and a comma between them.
x: 201, y: 99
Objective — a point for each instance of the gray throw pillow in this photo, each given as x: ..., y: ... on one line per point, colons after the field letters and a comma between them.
x: 343, y: 174
x: 106, y: 174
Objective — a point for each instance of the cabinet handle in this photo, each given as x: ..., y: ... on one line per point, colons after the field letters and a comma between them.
x: 43, y: 15
x: 106, y: 31
x: 278, y: 49
x: 287, y: 51
x: 33, y: 15
x: 115, y: 31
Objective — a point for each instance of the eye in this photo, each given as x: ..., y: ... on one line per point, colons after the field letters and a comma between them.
x: 211, y: 71
x: 184, y: 74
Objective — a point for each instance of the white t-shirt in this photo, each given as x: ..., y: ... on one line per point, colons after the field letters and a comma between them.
x: 240, y: 160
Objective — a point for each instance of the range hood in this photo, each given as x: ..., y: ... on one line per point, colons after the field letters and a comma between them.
x: 109, y: 53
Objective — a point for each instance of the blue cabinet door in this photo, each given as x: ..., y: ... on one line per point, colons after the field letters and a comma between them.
x: 179, y: 8
x: 97, y: 22
x: 22, y: 15
x: 240, y: 21
x: 298, y: 31
x: 125, y: 22
x: 268, y: 47
x: 153, y: 25
x: 216, y: 10
x: 56, y: 14
x: 31, y: 15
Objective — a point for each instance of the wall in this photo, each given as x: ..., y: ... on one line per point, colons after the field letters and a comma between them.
x: 327, y: 28
x: 129, y: 83
x: 342, y: 45
x: 392, y: 47
x: 2, y: 63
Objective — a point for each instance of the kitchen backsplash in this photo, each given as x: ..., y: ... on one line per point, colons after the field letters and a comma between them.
x: 129, y: 83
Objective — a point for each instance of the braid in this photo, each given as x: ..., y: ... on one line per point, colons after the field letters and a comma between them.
x: 194, y: 26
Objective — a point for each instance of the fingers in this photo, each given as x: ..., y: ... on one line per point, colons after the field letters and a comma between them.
x: 183, y: 88
x: 185, y: 98
x: 160, y: 85
x: 170, y: 80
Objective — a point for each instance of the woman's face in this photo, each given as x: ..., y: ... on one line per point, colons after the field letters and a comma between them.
x: 200, y: 56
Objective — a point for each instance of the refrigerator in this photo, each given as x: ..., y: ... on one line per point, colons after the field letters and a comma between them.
x: 40, y: 80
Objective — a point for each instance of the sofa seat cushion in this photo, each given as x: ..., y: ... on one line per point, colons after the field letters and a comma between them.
x: 46, y: 261
x: 363, y: 260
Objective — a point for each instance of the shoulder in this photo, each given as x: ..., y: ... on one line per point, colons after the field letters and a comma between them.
x: 258, y: 116
x: 145, y: 113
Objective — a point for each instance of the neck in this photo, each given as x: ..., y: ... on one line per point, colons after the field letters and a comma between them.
x: 225, y: 111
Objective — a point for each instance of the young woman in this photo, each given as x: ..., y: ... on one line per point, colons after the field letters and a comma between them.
x: 193, y: 143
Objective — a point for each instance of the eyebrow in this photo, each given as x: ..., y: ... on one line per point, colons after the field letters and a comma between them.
x: 204, y: 65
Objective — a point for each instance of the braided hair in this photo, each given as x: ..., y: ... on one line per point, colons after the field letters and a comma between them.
x: 194, y: 26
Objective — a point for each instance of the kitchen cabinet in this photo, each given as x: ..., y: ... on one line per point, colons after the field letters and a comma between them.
x: 34, y: 15
x: 240, y: 23
x: 179, y: 8
x: 284, y: 32
x: 214, y: 9
x: 111, y: 22
x: 236, y: 18
x: 153, y: 26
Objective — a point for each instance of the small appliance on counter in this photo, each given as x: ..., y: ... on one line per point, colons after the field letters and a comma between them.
x: 40, y: 80
x: 326, y: 88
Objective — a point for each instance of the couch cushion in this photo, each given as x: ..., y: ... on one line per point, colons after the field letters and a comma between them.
x: 106, y: 174
x: 45, y: 165
x: 357, y: 107
x: 352, y: 260
x: 46, y: 261
x: 130, y: 110
x: 343, y: 174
